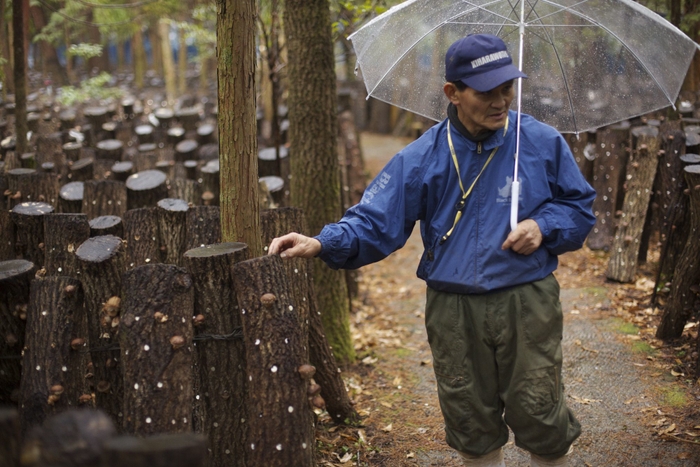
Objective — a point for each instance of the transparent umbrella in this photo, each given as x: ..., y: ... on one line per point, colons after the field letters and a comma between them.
x: 590, y: 63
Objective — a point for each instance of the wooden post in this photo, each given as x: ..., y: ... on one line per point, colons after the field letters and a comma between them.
x: 220, y: 370
x: 203, y: 226
x: 182, y: 188
x: 210, y: 184
x: 52, y: 380
x: 172, y: 227
x: 156, y: 349
x: 18, y: 183
x: 163, y: 450
x: 7, y: 236
x: 15, y: 279
x: 278, y: 376
x: 74, y: 437
x: 70, y: 198
x: 63, y: 234
x: 145, y: 189
x: 9, y: 437
x: 29, y: 220
x: 104, y: 198
x: 82, y: 170
x: 641, y: 171
x: 277, y: 222
x: 679, y: 306
x: 609, y: 170
x: 141, y: 235
x: 102, y: 262
x: 107, y: 225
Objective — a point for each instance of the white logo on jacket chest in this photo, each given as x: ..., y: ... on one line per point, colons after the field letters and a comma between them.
x: 504, y: 191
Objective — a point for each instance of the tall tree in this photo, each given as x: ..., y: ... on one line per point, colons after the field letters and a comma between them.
x: 6, y: 70
x: 20, y: 12
x: 314, y: 154
x: 238, y: 146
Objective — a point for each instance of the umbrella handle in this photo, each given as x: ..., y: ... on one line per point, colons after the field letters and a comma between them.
x: 514, y: 194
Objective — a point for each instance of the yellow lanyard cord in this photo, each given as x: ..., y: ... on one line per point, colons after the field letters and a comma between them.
x: 462, y: 202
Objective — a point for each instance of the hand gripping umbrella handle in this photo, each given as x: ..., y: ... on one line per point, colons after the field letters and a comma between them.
x: 514, y: 195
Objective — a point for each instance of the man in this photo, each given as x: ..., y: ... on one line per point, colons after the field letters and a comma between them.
x: 493, y: 314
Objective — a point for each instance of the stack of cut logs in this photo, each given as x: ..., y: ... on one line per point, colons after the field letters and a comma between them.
x: 122, y: 315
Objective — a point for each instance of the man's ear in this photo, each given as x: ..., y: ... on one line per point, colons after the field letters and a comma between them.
x: 450, y: 90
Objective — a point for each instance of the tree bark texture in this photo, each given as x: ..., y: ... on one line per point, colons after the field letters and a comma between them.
x: 107, y: 225
x: 9, y: 434
x: 612, y: 148
x: 63, y: 234
x: 52, y: 378
x: 82, y: 170
x: 29, y: 223
x: 203, y: 226
x: 673, y: 202
x: 189, y: 190
x: 7, y: 236
x: 102, y: 262
x: 72, y: 438
x: 20, y: 12
x: 156, y: 349
x: 141, y: 235
x: 145, y: 189
x: 162, y: 450
x: 139, y: 58
x: 168, y: 65
x: 581, y: 148
x: 277, y: 390
x: 641, y: 171
x: 686, y: 275
x: 238, y: 146
x: 315, y: 186
x: 104, y: 198
x: 277, y: 222
x: 8, y: 84
x: 172, y: 229
x: 220, y: 368
x: 15, y: 279
x: 49, y: 58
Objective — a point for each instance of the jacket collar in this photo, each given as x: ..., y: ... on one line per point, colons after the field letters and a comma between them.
x: 491, y: 141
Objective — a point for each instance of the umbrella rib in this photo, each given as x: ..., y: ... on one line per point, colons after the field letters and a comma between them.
x: 639, y: 60
x: 561, y: 68
x: 398, y: 60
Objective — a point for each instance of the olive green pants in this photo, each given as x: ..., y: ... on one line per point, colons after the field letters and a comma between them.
x: 497, y: 359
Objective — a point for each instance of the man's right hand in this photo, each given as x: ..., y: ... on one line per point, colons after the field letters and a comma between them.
x: 294, y: 245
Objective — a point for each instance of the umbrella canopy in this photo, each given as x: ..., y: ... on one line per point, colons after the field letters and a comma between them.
x: 590, y: 63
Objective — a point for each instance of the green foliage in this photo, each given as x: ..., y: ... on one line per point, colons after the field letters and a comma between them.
x: 202, y: 31
x: 86, y: 51
x: 348, y: 14
x: 93, y: 88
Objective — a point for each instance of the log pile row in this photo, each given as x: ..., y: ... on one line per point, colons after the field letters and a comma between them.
x: 117, y: 295
x: 645, y: 176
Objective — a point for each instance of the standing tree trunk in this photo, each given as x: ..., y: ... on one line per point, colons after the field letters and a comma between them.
x: 238, y: 147
x: 48, y: 52
x: 182, y: 64
x: 313, y: 131
x: 19, y: 24
x: 139, y: 57
x: 7, y: 82
x: 168, y: 62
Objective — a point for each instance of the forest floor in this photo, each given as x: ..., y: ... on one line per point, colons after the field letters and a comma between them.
x: 636, y: 396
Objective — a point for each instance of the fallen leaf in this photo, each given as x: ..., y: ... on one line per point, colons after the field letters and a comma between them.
x: 397, y: 381
x: 410, y: 455
x: 346, y: 458
x: 684, y: 455
x: 386, y: 404
x: 583, y: 400
x: 363, y: 437
x: 388, y: 428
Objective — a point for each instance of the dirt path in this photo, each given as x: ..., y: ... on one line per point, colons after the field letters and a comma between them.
x: 611, y: 385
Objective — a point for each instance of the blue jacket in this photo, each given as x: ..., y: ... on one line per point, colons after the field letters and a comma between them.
x: 420, y: 184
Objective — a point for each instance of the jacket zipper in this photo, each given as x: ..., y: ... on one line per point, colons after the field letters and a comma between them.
x: 478, y: 148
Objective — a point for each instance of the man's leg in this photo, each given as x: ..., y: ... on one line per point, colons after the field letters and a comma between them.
x: 466, y: 373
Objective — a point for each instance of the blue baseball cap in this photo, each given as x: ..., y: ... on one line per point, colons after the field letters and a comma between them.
x: 481, y: 61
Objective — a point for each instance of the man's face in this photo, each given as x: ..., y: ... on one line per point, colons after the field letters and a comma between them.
x: 480, y: 111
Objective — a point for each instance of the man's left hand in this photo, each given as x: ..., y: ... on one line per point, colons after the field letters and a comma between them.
x: 525, y: 239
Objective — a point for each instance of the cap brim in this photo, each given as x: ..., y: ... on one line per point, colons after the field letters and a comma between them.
x: 492, y: 79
